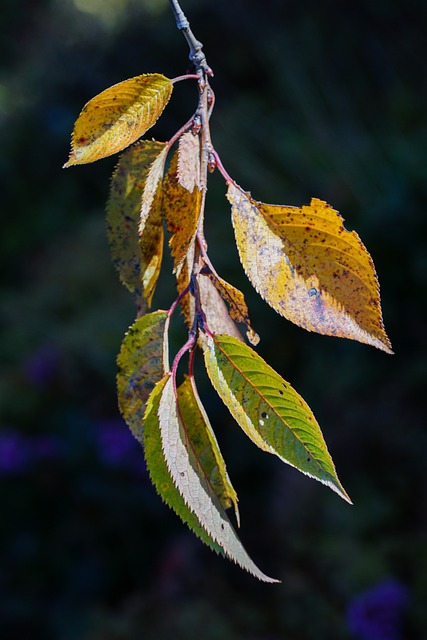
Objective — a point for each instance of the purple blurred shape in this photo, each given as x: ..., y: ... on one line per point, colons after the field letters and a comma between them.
x: 15, y: 453
x: 376, y: 614
x: 41, y: 367
x: 117, y: 447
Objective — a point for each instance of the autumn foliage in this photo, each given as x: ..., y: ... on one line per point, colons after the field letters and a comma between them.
x: 301, y: 260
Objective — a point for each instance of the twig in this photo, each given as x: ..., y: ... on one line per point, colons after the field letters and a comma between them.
x: 196, y: 56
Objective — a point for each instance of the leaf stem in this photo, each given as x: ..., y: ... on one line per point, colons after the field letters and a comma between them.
x: 196, y: 56
x: 221, y: 168
x: 178, y: 300
x: 180, y: 131
x: 187, y: 76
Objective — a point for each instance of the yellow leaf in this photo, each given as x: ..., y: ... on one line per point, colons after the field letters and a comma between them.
x: 138, y: 263
x: 118, y: 116
x: 309, y: 268
x: 236, y: 302
x: 181, y: 208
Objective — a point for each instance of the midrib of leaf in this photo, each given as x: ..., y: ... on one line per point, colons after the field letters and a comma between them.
x: 247, y: 379
x: 291, y: 434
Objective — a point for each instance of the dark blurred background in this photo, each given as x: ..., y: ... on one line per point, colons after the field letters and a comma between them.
x: 324, y: 99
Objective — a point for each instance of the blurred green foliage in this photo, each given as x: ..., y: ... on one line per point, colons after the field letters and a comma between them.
x: 313, y: 99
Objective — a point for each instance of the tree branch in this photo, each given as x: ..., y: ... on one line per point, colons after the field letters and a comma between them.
x: 196, y: 55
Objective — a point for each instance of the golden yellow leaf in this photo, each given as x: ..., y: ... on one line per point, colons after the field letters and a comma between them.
x: 236, y: 302
x: 118, y: 116
x: 309, y: 268
x: 182, y: 210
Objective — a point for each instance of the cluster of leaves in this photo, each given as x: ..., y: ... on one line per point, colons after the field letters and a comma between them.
x: 301, y: 260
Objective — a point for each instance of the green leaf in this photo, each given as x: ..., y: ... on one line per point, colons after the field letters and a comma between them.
x: 136, y: 260
x: 268, y: 409
x: 192, y: 483
x: 158, y: 471
x: 118, y: 116
x: 205, y: 445
x: 142, y: 362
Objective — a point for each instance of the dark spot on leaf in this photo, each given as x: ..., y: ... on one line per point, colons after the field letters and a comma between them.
x: 182, y: 473
x: 312, y: 292
x: 308, y: 459
x: 264, y: 415
x: 281, y: 392
x: 222, y: 526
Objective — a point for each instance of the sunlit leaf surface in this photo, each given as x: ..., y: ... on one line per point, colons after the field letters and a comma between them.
x: 268, y: 409
x: 309, y: 268
x: 193, y: 485
x: 118, y: 116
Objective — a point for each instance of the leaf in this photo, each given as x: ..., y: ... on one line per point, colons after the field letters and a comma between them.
x: 188, y: 171
x: 152, y: 184
x: 182, y: 210
x: 268, y: 409
x: 204, y: 443
x: 217, y: 317
x: 183, y: 276
x: 236, y: 302
x: 142, y: 362
x: 309, y: 268
x: 138, y: 263
x: 118, y: 116
x: 159, y: 473
x: 193, y: 485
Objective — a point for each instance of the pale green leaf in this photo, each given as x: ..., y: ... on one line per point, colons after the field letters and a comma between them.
x: 118, y: 116
x: 205, y: 445
x: 159, y: 472
x: 268, y: 409
x: 192, y: 483
x: 142, y: 362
